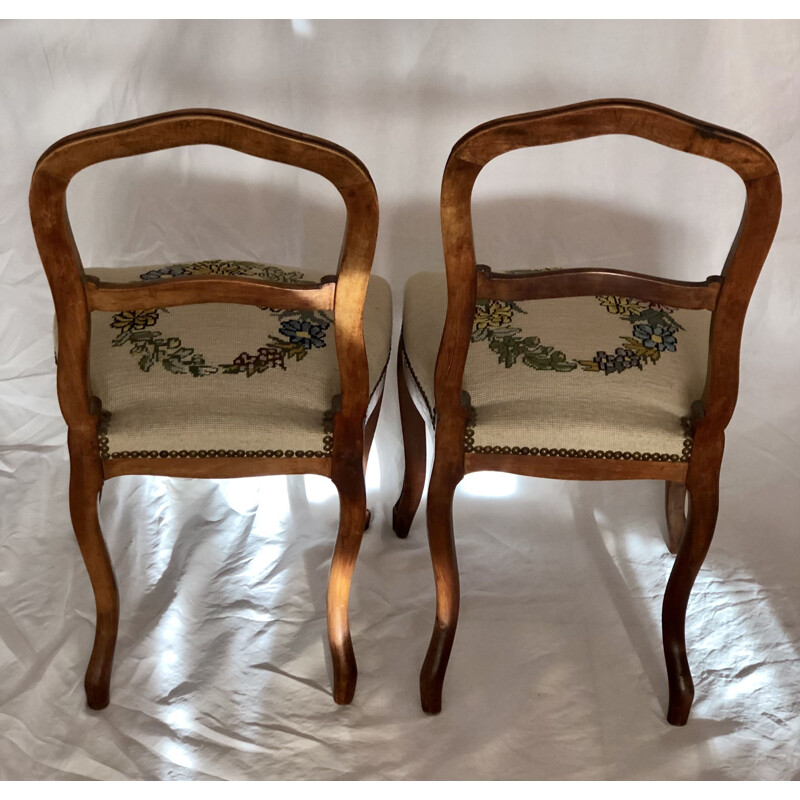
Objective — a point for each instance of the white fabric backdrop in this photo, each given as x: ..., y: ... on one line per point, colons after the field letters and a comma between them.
x: 557, y: 670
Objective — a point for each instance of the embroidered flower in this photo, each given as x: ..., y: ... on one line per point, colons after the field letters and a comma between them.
x: 264, y: 359
x: 494, y: 314
x: 134, y: 320
x: 655, y: 336
x: 308, y: 334
x: 619, y: 305
x: 163, y: 272
x: 216, y: 268
x: 622, y: 359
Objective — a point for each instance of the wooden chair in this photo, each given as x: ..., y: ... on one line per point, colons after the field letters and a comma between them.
x: 585, y: 374
x: 215, y: 369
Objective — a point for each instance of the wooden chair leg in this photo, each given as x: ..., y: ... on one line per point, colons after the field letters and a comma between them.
x: 703, y: 508
x: 675, y: 502
x: 86, y: 481
x: 445, y: 570
x: 369, y: 435
x: 414, y: 448
x: 352, y: 520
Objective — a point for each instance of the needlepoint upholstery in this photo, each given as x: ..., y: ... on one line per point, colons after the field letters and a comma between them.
x: 604, y: 377
x: 222, y: 379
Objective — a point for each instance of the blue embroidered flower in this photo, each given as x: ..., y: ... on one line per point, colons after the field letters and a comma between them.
x: 308, y: 334
x: 655, y: 336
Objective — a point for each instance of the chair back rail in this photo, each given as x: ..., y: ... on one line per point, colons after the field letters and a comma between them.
x: 727, y: 295
x: 576, y: 282
x: 75, y: 295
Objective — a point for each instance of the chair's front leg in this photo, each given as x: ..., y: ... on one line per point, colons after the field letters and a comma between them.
x: 85, y: 484
x: 703, y: 486
x: 448, y: 469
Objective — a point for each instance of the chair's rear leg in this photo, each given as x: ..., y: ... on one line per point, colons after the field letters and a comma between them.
x: 86, y: 482
x: 703, y: 486
x: 445, y: 570
x: 675, y: 502
x: 369, y: 435
x: 414, y: 448
x: 352, y: 520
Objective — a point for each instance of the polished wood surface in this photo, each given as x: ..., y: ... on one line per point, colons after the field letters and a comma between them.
x: 75, y: 295
x: 590, y: 282
x: 193, y: 289
x: 414, y: 448
x: 579, y: 469
x: 726, y: 295
x: 675, y: 507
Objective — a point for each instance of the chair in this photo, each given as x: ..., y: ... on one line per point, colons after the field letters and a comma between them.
x: 585, y: 374
x: 215, y: 369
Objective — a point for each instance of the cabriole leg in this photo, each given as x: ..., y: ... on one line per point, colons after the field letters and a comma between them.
x: 352, y: 519
x: 414, y: 448
x: 703, y: 486
x: 675, y: 502
x: 86, y: 482
x: 445, y: 570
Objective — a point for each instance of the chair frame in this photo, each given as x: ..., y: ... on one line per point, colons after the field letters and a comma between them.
x: 726, y: 295
x: 76, y: 294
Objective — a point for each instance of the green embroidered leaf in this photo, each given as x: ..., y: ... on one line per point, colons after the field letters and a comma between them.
x: 504, y: 332
x: 293, y: 350
x: 507, y: 348
x: 547, y: 358
x: 147, y: 360
x: 654, y: 317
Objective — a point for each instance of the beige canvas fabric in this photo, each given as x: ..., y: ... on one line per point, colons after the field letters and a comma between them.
x: 569, y: 375
x: 223, y: 379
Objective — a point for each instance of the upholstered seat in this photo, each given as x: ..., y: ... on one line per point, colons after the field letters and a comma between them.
x: 219, y: 379
x: 597, y: 377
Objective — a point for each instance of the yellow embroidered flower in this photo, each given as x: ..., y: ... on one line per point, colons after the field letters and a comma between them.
x: 620, y: 305
x: 216, y: 268
x: 495, y: 314
x: 135, y: 320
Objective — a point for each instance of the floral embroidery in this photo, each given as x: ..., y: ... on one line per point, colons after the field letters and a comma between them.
x: 622, y: 359
x: 492, y: 318
x: 300, y: 331
x: 654, y: 332
x: 134, y: 320
x: 265, y: 358
x: 492, y: 314
x: 618, y: 305
x: 658, y: 337
x: 304, y: 332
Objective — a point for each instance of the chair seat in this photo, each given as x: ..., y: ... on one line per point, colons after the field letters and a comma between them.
x: 596, y: 377
x: 221, y: 379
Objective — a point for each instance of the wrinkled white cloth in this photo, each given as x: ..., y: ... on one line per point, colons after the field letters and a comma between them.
x: 221, y: 666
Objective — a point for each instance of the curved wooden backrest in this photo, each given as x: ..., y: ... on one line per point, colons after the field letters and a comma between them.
x: 726, y: 295
x: 75, y: 295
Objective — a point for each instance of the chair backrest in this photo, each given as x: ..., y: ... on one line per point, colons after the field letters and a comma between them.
x: 75, y: 294
x: 726, y: 295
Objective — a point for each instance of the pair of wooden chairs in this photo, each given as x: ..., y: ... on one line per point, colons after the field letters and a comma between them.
x: 571, y: 374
